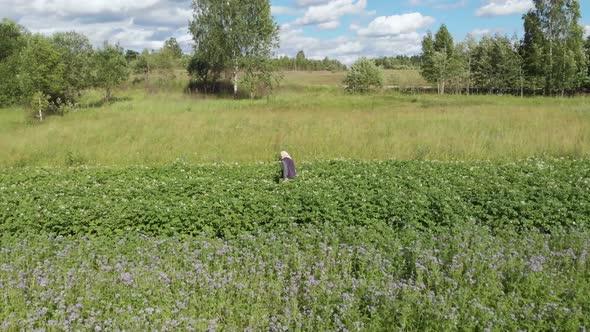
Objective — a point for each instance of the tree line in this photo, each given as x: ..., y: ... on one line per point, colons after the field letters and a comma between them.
x: 301, y: 63
x: 48, y: 73
x: 551, y: 59
x: 399, y: 62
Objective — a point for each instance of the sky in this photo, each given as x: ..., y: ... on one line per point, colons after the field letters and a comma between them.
x: 339, y: 29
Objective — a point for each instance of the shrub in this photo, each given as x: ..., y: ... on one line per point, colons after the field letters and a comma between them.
x: 363, y: 76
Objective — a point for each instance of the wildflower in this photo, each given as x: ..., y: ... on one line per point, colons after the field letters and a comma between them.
x: 126, y: 278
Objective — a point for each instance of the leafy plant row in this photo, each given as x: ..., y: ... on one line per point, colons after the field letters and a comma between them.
x: 227, y: 200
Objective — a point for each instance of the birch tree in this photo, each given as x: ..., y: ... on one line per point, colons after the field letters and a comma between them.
x: 553, y: 44
x: 233, y: 33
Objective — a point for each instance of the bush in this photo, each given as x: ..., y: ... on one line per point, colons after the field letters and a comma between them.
x: 363, y: 76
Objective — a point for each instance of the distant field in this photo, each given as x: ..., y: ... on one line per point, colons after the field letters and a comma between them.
x: 158, y: 129
x: 403, y: 78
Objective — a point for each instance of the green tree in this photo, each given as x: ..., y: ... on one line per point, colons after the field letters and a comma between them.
x: 444, y: 68
x: 363, y: 76
x: 12, y: 41
x: 260, y: 77
x: 172, y: 47
x: 427, y: 68
x: 233, y: 32
x: 300, y: 60
x: 143, y: 64
x: 131, y: 55
x: 76, y: 54
x: 111, y: 68
x: 163, y: 64
x: 532, y: 52
x: 497, y: 65
x: 554, y: 43
x: 466, y: 51
x: 439, y: 61
x: 443, y: 42
x: 42, y: 69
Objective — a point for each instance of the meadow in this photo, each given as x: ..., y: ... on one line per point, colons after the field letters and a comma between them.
x: 318, y: 123
x: 411, y: 212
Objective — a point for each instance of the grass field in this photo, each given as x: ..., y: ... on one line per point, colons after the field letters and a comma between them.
x: 158, y: 129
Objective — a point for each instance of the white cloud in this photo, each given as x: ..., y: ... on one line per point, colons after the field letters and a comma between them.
x: 148, y: 23
x: 396, y: 24
x: 586, y: 30
x: 77, y: 7
x: 480, y: 32
x: 133, y: 24
x: 347, y: 49
x: 304, y: 3
x: 329, y: 25
x: 282, y: 10
x: 504, y: 7
x: 331, y: 11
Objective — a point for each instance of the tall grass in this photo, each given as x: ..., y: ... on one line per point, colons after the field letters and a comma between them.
x: 326, y: 124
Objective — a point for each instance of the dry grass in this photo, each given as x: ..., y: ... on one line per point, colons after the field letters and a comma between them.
x: 159, y: 129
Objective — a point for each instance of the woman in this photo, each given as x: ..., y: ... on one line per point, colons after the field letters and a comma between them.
x: 288, y: 166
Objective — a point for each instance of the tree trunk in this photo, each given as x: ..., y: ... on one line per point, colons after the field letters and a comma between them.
x: 469, y: 78
x: 236, y: 82
x: 40, y: 111
x: 147, y: 75
x: 521, y: 83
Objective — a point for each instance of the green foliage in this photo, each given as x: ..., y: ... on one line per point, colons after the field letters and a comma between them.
x: 550, y: 59
x: 304, y: 64
x: 131, y: 55
x: 111, y: 68
x: 42, y: 69
x: 171, y: 46
x: 443, y: 41
x: 400, y: 62
x: 77, y: 58
x: 496, y: 65
x: 229, y: 200
x: 11, y: 38
x: 10, y: 89
x: 39, y: 106
x: 12, y: 41
x: 441, y: 63
x: 260, y: 77
x: 157, y: 67
x: 232, y: 34
x: 363, y: 76
x: 553, y: 49
x: 427, y: 69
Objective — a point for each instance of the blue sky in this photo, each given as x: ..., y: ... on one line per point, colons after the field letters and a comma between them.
x: 341, y: 29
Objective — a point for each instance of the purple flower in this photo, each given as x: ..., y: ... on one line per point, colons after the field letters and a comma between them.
x: 126, y: 278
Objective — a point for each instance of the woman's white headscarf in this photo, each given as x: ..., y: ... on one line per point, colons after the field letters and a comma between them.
x: 284, y: 155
